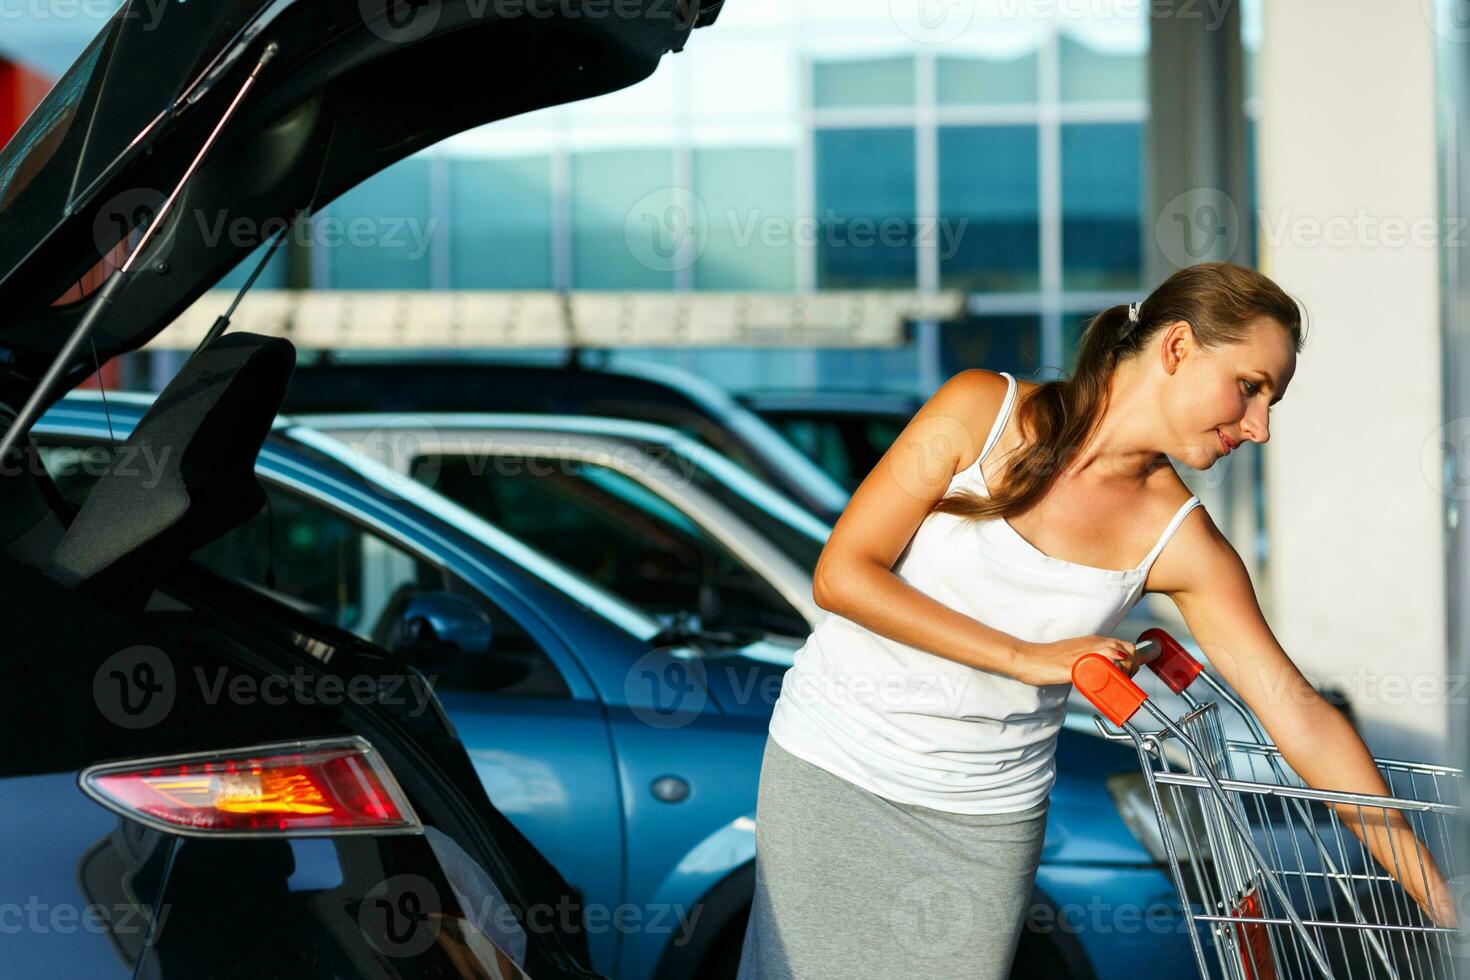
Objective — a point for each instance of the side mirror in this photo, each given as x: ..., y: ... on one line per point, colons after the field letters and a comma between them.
x: 431, y: 621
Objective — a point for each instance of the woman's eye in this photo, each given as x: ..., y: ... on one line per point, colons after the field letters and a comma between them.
x: 1252, y: 387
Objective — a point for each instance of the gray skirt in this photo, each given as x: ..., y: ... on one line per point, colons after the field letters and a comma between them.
x: 852, y: 884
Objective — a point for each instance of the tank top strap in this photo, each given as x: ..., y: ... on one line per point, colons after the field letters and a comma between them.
x: 1179, y: 516
x: 1000, y: 417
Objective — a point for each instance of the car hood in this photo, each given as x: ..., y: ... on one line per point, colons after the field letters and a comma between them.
x: 354, y: 85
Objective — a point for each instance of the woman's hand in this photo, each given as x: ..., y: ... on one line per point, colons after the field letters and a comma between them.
x: 1444, y: 912
x: 1392, y: 841
x: 1051, y: 663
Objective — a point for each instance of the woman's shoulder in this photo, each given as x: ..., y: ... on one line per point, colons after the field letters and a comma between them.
x: 1166, y: 489
x: 970, y: 392
x: 976, y: 381
x: 967, y: 406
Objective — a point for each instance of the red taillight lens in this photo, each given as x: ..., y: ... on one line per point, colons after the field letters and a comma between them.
x: 329, y: 786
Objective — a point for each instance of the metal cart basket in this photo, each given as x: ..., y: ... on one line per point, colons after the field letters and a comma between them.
x: 1268, y: 869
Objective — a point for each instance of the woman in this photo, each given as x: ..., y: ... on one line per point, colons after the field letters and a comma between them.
x: 903, y: 790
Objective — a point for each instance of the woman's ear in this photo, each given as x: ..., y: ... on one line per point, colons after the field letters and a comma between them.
x: 1177, y: 344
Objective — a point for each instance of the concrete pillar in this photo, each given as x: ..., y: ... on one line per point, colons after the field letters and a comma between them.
x: 1196, y: 136
x: 1195, y: 171
x: 1347, y: 174
x: 1453, y: 60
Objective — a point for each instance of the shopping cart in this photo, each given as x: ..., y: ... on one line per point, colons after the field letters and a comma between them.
x: 1268, y: 869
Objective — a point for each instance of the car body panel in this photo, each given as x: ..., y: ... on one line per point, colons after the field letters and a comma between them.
x: 682, y: 731
x: 134, y: 900
x: 50, y: 823
x: 1126, y: 920
x: 559, y: 789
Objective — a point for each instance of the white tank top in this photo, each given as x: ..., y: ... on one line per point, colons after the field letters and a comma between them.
x: 919, y: 728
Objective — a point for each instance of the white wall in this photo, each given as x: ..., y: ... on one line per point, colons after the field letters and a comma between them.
x: 1347, y: 150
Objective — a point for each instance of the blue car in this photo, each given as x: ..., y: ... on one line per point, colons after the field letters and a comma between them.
x: 625, y: 750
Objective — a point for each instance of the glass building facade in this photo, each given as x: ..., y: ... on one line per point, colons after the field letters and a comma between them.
x: 809, y: 145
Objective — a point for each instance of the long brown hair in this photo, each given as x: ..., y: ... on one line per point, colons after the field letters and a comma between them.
x: 1220, y: 301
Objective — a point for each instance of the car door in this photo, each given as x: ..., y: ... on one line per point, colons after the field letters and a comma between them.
x: 690, y: 772
x: 543, y: 755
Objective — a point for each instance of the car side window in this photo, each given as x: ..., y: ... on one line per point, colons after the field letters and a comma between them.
x: 339, y: 572
x: 354, y: 578
x: 328, y: 565
x: 615, y: 531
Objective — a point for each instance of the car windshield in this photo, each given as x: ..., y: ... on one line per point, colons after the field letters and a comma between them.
x: 750, y: 427
x: 797, y: 534
x: 811, y: 477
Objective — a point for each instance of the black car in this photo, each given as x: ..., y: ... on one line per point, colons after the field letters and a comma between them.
x: 843, y: 432
x: 200, y: 781
x: 630, y: 390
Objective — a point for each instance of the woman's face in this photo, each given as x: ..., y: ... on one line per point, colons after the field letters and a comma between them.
x: 1221, y: 398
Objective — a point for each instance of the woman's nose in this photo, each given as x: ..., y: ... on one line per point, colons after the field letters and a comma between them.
x: 1256, y: 426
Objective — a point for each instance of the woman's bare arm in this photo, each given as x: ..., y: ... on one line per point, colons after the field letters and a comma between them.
x: 854, y: 577
x: 1205, y: 577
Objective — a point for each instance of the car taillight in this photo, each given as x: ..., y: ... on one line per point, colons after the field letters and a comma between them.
x: 318, y: 787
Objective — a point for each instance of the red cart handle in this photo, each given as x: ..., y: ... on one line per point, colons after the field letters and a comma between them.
x: 1113, y: 692
x: 1174, y: 666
